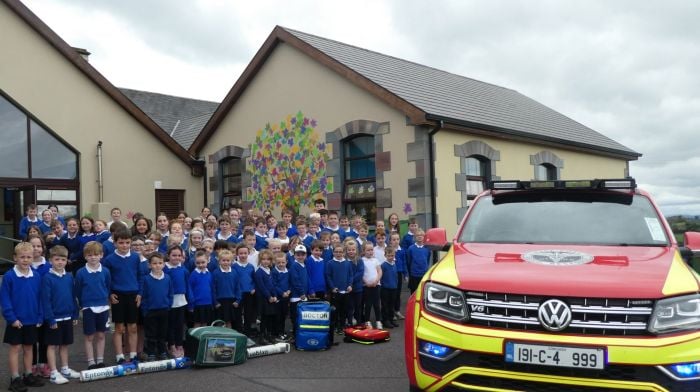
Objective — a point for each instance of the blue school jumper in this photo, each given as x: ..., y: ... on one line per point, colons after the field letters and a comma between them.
x: 317, y: 274
x: 327, y: 254
x: 298, y: 280
x: 42, y: 269
x: 103, y: 236
x: 57, y: 297
x: 226, y: 284
x: 108, y: 247
x: 93, y: 288
x: 358, y: 271
x: 260, y: 241
x: 245, y: 277
x: 125, y: 271
x: 156, y: 293
x: 84, y: 239
x: 264, y: 287
x: 308, y: 241
x: 179, y: 276
x: 417, y: 260
x: 280, y: 279
x: 200, y: 289
x: 401, y: 261
x: 352, y: 233
x: 20, y: 297
x: 230, y: 239
x: 338, y: 230
x: 213, y: 263
x: 338, y: 275
x: 407, y: 241
x: 44, y: 228
x: 390, y: 278
x: 24, y: 226
x: 292, y: 230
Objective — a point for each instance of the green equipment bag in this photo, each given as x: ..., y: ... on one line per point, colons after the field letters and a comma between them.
x: 215, y: 345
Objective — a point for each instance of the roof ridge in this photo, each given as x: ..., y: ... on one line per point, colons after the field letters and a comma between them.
x: 393, y: 57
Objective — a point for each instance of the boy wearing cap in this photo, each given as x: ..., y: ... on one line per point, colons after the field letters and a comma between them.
x: 298, y: 281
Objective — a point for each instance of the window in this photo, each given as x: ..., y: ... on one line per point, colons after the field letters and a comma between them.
x: 231, y: 184
x: 48, y: 157
x: 359, y: 194
x: 478, y: 175
x: 545, y: 171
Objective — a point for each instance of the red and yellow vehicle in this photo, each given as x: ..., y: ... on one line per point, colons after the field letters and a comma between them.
x: 558, y: 286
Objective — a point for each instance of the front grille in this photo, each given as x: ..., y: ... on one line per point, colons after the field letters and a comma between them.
x: 591, y: 316
x: 638, y: 373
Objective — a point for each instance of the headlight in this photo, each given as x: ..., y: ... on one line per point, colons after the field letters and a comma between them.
x: 445, y: 301
x: 676, y: 314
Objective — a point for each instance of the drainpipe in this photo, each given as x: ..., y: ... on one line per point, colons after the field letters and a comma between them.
x: 204, y: 188
x: 100, y: 182
x: 431, y: 160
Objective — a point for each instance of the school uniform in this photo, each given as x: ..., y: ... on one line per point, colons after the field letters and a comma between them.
x: 44, y: 227
x: 156, y: 301
x: 179, y: 276
x: 20, y: 300
x: 72, y: 243
x: 371, y: 294
x: 280, y: 280
x: 246, y: 282
x: 355, y: 305
x: 417, y: 262
x: 127, y: 277
x: 260, y: 241
x: 42, y: 267
x: 227, y: 292
x: 401, y: 273
x: 407, y: 240
x: 25, y: 224
x: 92, y: 289
x: 59, y: 307
x: 299, y: 285
x: 388, y: 291
x: 338, y: 280
x: 201, y: 296
x: 264, y: 291
x: 317, y: 276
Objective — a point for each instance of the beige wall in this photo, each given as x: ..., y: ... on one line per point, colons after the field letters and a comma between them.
x: 290, y: 81
x: 514, y: 164
x: 54, y: 91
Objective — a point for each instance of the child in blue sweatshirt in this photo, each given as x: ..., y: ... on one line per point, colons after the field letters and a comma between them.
x: 156, y: 300
x: 355, y: 313
x: 60, y: 314
x: 92, y: 288
x: 298, y: 282
x: 21, y: 308
x: 339, y: 282
x: 246, y: 282
x: 417, y: 261
x: 389, y: 289
x: 402, y: 272
x: 124, y: 268
x: 176, y: 315
x: 280, y: 279
x: 316, y: 268
x: 41, y: 267
x: 266, y: 296
x: 200, y: 288
x: 227, y: 291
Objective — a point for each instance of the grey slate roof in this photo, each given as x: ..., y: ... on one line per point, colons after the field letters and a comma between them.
x: 181, y: 118
x: 461, y: 100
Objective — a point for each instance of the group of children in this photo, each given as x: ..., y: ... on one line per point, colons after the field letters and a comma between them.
x: 156, y: 282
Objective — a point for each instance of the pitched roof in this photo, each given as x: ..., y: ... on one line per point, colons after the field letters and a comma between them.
x: 428, y: 95
x: 181, y: 118
x: 72, y: 56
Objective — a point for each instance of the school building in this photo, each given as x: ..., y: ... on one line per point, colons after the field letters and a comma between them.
x: 309, y: 117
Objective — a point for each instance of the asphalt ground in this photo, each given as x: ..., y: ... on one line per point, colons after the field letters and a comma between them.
x: 348, y: 367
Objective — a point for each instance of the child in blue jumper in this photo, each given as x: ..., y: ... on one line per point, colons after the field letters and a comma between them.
x: 176, y: 315
x: 417, y: 261
x: 156, y: 300
x: 60, y: 314
x: 280, y: 279
x: 201, y: 291
x: 298, y: 282
x: 266, y: 296
x: 92, y: 288
x: 226, y: 291
x: 389, y: 289
x: 21, y: 308
x: 355, y: 312
x: 246, y: 283
x: 339, y: 281
x: 316, y: 268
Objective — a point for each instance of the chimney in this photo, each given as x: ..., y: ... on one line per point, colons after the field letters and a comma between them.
x: 83, y: 53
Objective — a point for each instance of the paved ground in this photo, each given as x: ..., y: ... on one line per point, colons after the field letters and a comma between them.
x: 346, y: 367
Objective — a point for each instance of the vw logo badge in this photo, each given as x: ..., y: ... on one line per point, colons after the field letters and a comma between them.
x: 554, y: 315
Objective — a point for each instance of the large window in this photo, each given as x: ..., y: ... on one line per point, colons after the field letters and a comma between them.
x: 231, y: 184
x: 478, y: 175
x: 28, y: 150
x: 359, y: 194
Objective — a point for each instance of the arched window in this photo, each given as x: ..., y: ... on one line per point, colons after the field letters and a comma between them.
x: 359, y: 195
x: 545, y: 171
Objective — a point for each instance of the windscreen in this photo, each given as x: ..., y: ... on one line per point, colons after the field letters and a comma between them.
x: 605, y: 218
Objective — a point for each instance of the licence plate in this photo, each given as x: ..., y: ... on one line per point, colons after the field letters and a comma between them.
x: 563, y: 356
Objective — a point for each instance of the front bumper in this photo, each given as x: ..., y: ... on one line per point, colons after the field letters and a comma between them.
x: 633, y: 362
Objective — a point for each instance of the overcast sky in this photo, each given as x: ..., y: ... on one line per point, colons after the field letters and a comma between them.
x: 628, y: 69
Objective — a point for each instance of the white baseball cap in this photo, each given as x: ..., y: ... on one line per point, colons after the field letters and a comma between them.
x: 300, y: 248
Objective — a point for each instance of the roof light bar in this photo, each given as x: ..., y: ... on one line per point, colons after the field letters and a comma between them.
x: 626, y: 183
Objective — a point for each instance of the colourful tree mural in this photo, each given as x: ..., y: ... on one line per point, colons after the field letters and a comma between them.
x: 288, y: 165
